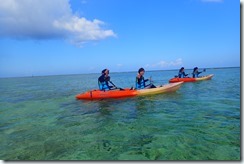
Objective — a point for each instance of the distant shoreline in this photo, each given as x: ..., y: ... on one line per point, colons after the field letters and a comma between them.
x: 112, y: 72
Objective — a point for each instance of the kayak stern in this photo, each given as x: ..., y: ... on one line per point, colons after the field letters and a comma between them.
x: 172, y: 87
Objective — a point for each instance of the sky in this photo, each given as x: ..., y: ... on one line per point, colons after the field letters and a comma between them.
x: 43, y: 37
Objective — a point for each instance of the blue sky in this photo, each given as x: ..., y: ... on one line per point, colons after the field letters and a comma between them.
x: 86, y: 36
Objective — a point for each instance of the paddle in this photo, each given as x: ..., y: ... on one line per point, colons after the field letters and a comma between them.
x: 151, y: 82
x: 115, y: 86
x: 186, y: 76
x: 204, y: 70
x: 150, y: 79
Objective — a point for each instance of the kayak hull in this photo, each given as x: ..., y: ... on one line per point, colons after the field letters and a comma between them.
x: 114, y: 94
x: 97, y: 94
x: 209, y: 77
x: 161, y: 89
x: 175, y: 80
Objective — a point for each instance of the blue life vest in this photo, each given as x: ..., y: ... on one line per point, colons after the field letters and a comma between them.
x: 103, y: 86
x: 180, y: 74
x: 195, y: 74
x: 141, y: 84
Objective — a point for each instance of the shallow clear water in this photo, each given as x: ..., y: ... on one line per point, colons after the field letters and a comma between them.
x: 40, y: 119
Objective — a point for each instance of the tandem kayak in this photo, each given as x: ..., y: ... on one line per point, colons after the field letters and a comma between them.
x: 98, y: 94
x: 189, y: 79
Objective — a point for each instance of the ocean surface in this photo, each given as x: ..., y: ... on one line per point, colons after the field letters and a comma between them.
x: 40, y: 119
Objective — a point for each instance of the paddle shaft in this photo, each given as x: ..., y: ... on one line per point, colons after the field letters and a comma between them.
x: 115, y: 85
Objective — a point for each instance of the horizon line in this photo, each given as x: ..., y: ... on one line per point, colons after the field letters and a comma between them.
x: 31, y: 76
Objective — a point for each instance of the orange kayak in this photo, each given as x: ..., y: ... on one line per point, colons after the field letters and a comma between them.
x: 176, y: 79
x: 97, y: 94
x: 188, y: 79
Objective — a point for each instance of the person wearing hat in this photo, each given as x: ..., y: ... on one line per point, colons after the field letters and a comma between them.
x: 103, y: 81
x: 195, y: 72
x: 182, y: 73
x: 141, y: 82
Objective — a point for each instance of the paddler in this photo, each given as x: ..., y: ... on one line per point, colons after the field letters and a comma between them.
x: 141, y: 82
x: 196, y: 72
x: 104, y: 80
x: 182, y: 73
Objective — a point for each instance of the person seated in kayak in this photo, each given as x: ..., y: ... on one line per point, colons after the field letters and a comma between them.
x: 141, y: 82
x: 196, y: 72
x: 182, y: 73
x: 103, y: 81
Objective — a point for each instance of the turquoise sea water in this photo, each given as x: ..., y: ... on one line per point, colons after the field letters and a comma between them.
x: 40, y: 119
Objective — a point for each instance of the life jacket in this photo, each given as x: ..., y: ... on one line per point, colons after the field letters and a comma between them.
x: 140, y: 83
x: 195, y: 74
x: 180, y: 75
x: 102, y: 84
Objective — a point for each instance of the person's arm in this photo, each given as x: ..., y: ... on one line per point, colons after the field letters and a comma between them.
x: 146, y: 80
x: 199, y: 73
x: 185, y: 74
x: 107, y: 79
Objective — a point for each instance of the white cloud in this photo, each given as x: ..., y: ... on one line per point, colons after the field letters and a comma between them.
x: 82, y: 30
x: 48, y: 19
x: 165, y: 64
x: 212, y: 1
